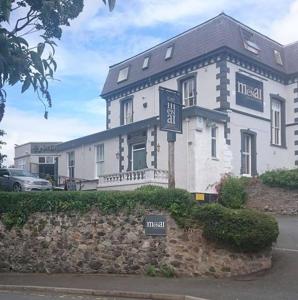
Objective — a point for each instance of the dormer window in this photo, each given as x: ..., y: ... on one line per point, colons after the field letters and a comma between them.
x: 169, y: 52
x: 278, y: 58
x: 123, y: 74
x: 146, y: 63
x: 248, y: 41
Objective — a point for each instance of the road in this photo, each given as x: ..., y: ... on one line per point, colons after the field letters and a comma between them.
x: 279, y: 283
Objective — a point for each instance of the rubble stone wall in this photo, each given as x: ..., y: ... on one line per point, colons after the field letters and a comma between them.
x: 97, y: 243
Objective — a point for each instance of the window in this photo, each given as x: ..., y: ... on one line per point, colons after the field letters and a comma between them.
x: 139, y: 156
x: 71, y: 164
x: 41, y: 159
x: 3, y: 172
x: 278, y: 58
x: 49, y: 159
x: 126, y: 114
x: 248, y: 41
x: 248, y: 153
x: 100, y: 156
x: 123, y: 74
x: 276, y: 122
x: 213, y: 141
x: 169, y: 52
x: 189, y: 92
x: 146, y: 63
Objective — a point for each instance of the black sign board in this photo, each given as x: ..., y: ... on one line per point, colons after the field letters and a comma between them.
x: 170, y: 110
x: 155, y: 225
x: 249, y: 92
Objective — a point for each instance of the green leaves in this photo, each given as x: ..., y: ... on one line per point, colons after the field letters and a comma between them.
x: 24, y: 63
x: 40, y: 48
x: 5, y: 7
x: 26, y: 83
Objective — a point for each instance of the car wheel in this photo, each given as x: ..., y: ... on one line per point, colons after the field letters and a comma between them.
x: 17, y: 187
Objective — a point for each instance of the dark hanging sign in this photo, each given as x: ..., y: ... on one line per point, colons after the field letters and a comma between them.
x: 170, y: 110
x: 155, y: 225
x: 249, y: 92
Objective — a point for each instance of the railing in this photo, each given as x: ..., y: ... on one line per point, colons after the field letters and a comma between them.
x: 134, y: 177
x: 76, y: 183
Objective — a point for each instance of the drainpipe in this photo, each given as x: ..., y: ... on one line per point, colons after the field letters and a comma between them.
x: 187, y: 153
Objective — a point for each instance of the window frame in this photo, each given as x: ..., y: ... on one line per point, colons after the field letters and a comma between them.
x: 169, y: 52
x: 99, y: 160
x: 248, y: 41
x: 214, y: 130
x: 277, y: 57
x: 282, y: 135
x: 123, y: 119
x: 135, y: 150
x: 71, y: 167
x: 252, y: 152
x: 180, y: 83
x: 122, y: 77
x: 147, y: 60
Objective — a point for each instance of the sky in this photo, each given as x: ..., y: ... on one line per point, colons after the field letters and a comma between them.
x: 99, y: 38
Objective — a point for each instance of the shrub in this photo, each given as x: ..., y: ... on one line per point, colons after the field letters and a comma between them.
x: 16, y: 207
x: 149, y: 188
x: 151, y: 271
x: 281, y: 178
x: 243, y: 230
x: 167, y: 271
x: 231, y: 192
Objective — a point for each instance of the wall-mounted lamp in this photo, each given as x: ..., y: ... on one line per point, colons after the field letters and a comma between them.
x: 117, y: 155
x: 158, y: 147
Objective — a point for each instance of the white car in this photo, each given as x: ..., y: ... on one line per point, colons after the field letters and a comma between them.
x: 18, y: 180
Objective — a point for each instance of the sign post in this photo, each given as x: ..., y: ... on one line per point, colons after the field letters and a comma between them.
x: 170, y: 114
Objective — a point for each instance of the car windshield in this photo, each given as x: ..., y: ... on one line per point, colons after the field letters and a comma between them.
x: 20, y: 173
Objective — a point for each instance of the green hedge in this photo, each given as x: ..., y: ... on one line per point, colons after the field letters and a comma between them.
x: 281, y: 178
x: 243, y: 230
x: 16, y: 207
x: 231, y: 192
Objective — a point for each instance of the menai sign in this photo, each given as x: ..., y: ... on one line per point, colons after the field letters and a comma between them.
x: 249, y: 92
x: 155, y: 225
x: 170, y: 110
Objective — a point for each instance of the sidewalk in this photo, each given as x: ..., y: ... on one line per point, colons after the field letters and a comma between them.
x: 111, y: 285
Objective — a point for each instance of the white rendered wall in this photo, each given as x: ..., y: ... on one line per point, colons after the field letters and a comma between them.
x: 206, y: 95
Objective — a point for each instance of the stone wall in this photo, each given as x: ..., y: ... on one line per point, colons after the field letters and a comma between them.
x: 96, y: 243
x: 272, y: 199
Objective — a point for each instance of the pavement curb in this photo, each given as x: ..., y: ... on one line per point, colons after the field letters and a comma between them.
x: 104, y: 293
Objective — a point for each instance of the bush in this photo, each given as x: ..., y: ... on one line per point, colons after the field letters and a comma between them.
x: 281, y: 178
x: 231, y: 192
x: 243, y: 230
x: 149, y: 188
x: 16, y: 207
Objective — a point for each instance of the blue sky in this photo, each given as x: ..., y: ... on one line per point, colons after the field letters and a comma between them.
x: 99, y: 38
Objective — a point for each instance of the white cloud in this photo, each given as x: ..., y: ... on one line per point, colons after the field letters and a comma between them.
x: 284, y: 29
x: 95, y: 106
x: 23, y: 127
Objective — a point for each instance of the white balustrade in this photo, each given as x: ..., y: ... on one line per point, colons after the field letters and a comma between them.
x: 137, y: 177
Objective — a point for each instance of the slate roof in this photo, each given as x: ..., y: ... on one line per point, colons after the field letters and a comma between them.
x: 221, y: 31
x: 213, y: 115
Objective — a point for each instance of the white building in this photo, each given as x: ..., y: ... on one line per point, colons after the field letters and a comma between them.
x: 239, y: 89
x: 38, y: 158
